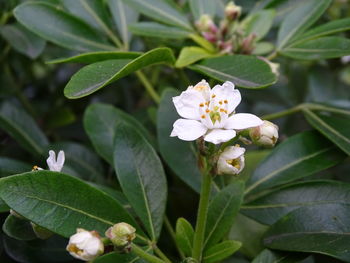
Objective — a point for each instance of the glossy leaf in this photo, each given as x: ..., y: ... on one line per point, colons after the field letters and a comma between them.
x: 243, y: 71
x: 221, y: 212
x: 159, y: 10
x: 300, y: 19
x: 141, y: 176
x: 335, y: 128
x: 220, y: 251
x: 183, y: 167
x: 92, y: 57
x: 95, y: 76
x: 100, y: 121
x: 297, y: 157
x: 320, y: 48
x: 123, y: 16
x: 269, y: 256
x: 10, y: 166
x: 115, y: 257
x: 325, y: 231
x: 271, y: 207
x: 18, y: 228
x: 259, y: 23
x: 190, y: 55
x: 329, y: 28
x: 23, y: 40
x: 202, y: 7
x: 59, y: 27
x: 262, y: 48
x: 184, y: 236
x: 62, y: 203
x: 153, y: 29
x: 22, y: 128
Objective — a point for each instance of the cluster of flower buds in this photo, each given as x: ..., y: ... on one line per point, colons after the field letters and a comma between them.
x: 88, y: 245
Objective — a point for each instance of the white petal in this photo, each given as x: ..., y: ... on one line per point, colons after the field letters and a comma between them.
x: 51, y: 161
x: 241, y: 121
x: 187, y: 104
x: 217, y: 136
x: 203, y: 87
x: 232, y: 152
x: 60, y: 159
x: 227, y: 92
x: 188, y: 130
x: 225, y: 168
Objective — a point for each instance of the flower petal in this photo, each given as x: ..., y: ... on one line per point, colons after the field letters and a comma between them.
x: 187, y: 104
x: 202, y: 87
x: 60, y: 159
x: 188, y: 130
x: 227, y: 92
x: 217, y: 136
x: 232, y: 152
x: 241, y: 121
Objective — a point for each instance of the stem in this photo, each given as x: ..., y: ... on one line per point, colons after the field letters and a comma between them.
x: 141, y: 253
x: 148, y: 86
x: 161, y: 254
x: 198, y: 239
x: 173, y: 236
x: 272, y: 55
x: 283, y: 113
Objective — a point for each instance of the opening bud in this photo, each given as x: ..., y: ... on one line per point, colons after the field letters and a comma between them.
x: 232, y: 11
x: 231, y: 160
x: 206, y: 24
x: 121, y: 234
x: 264, y: 135
x: 85, y: 245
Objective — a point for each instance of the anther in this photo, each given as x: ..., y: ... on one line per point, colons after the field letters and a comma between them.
x: 225, y: 101
x: 213, y: 96
x: 207, y: 110
x: 201, y: 105
x: 203, y: 116
x: 220, y: 102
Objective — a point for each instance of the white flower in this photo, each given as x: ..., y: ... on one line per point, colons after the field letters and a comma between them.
x: 55, y: 165
x: 265, y: 134
x: 121, y: 234
x: 85, y: 245
x: 210, y: 113
x: 231, y: 160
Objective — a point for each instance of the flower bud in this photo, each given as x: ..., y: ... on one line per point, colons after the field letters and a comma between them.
x: 121, y: 234
x: 55, y: 165
x: 206, y: 24
x: 41, y: 232
x: 85, y: 245
x: 264, y: 135
x: 232, y: 11
x: 231, y: 160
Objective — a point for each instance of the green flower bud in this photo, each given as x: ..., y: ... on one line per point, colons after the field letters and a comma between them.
x: 121, y: 234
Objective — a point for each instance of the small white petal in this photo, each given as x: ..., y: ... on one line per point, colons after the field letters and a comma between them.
x: 203, y: 87
x: 217, y: 136
x: 241, y: 121
x: 187, y: 104
x: 188, y: 130
x: 51, y: 161
x: 60, y: 159
x: 227, y: 92
x: 232, y: 152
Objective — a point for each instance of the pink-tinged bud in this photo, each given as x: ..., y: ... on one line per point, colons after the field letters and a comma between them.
x: 264, y: 135
x: 232, y: 11
x: 121, y: 234
x: 85, y: 245
x: 212, y: 38
x: 225, y: 47
x: 206, y: 24
x: 231, y: 160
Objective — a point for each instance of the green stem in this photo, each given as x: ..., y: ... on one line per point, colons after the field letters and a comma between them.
x: 272, y: 55
x: 161, y: 254
x: 283, y: 113
x: 173, y: 236
x: 141, y: 253
x: 148, y: 86
x: 198, y: 239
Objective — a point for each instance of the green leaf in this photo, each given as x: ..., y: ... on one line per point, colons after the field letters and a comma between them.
x: 258, y: 23
x: 100, y: 121
x: 333, y: 127
x: 95, y: 76
x: 184, y: 236
x: 185, y: 167
x: 123, y: 16
x: 115, y: 257
x: 320, y: 48
x: 243, y: 71
x: 18, y: 228
x: 190, y: 55
x: 10, y: 166
x: 59, y: 27
x: 23, y: 40
x: 271, y: 207
x: 221, y: 251
x: 268, y: 256
x: 160, y: 11
x: 262, y: 48
x: 202, y: 7
x: 92, y: 57
x: 22, y: 128
x: 141, y: 176
x: 81, y: 160
x: 222, y: 211
x: 153, y: 29
x: 62, y: 203
x: 300, y: 19
x: 203, y: 42
x: 325, y: 231
x: 329, y: 28
x: 299, y: 156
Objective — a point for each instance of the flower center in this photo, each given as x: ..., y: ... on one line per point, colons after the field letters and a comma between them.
x: 74, y: 249
x: 235, y: 163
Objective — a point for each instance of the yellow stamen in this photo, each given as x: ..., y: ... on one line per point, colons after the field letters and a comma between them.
x: 235, y: 163
x: 203, y: 116
x: 201, y: 105
x: 207, y: 110
x: 220, y: 102
x: 213, y: 96
x: 225, y: 101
